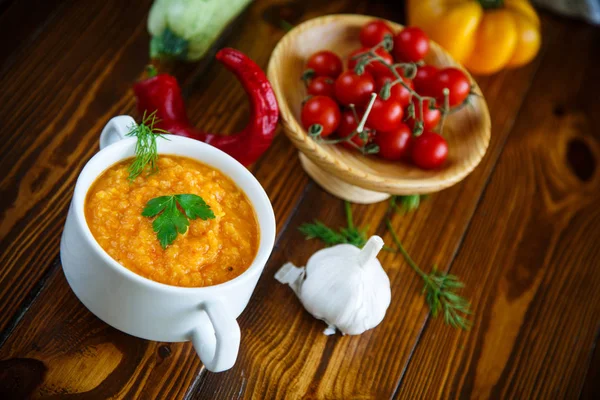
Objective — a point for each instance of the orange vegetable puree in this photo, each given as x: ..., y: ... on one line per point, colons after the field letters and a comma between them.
x: 210, y: 252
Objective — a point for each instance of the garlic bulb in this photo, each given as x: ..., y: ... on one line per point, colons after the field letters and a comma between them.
x: 342, y: 285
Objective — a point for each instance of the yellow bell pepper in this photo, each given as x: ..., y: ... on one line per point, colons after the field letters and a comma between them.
x: 483, y: 35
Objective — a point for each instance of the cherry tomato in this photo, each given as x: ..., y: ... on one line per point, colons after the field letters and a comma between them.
x: 351, y: 88
x: 429, y: 150
x: 423, y: 79
x: 431, y: 117
x: 386, y: 115
x: 372, y: 33
x: 411, y: 44
x: 394, y: 145
x: 375, y: 68
x: 348, y: 124
x: 356, y: 139
x: 325, y: 63
x: 457, y: 83
x: 398, y: 91
x: 321, y: 85
x: 321, y: 110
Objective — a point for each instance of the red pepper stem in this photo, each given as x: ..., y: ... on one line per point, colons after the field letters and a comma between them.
x: 151, y: 71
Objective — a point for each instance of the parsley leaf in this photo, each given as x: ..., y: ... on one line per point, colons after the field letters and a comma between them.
x: 156, y: 205
x: 171, y: 220
x: 194, y: 206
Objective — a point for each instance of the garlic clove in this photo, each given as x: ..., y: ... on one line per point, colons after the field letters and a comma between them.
x: 291, y: 275
x: 330, y: 330
x: 342, y: 285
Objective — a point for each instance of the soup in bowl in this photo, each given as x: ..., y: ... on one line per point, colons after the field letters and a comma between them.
x: 192, y: 289
x: 210, y: 252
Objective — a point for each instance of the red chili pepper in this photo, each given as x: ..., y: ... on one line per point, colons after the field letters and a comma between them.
x: 163, y: 95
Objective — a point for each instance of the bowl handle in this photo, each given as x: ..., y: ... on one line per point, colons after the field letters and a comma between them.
x: 217, y: 345
x: 116, y: 129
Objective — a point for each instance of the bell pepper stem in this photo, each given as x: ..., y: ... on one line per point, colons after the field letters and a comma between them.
x: 491, y: 4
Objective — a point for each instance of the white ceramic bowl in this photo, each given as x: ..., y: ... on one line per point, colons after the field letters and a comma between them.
x: 151, y: 310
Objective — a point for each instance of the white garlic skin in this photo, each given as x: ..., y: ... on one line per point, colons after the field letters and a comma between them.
x: 349, y: 296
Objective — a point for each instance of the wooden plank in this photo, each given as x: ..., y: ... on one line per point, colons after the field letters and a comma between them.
x: 284, y: 353
x: 530, y: 258
x: 61, y: 89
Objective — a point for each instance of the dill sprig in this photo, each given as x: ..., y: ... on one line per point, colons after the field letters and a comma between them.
x: 350, y: 234
x: 146, y: 149
x: 439, y: 289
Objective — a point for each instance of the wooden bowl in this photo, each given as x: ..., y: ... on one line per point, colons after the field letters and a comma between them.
x: 349, y: 174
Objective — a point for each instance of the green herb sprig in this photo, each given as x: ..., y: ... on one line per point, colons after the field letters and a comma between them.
x: 146, y: 149
x: 439, y: 289
x: 171, y: 221
x: 349, y: 234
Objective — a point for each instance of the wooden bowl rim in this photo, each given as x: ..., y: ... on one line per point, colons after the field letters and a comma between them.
x: 298, y: 135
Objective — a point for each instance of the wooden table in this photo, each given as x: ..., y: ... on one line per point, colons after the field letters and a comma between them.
x: 522, y: 231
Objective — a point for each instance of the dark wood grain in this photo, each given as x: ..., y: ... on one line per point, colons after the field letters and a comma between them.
x: 530, y: 258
